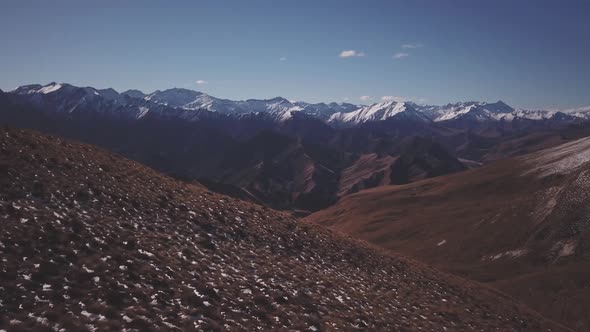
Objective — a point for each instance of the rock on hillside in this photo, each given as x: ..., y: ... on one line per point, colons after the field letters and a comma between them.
x: 91, y: 241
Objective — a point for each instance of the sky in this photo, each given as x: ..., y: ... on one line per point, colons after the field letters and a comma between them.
x: 530, y: 54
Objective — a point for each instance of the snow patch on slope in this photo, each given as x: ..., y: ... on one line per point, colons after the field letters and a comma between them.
x: 49, y: 88
x: 562, y: 159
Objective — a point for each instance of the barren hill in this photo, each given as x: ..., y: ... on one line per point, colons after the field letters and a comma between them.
x: 92, y: 241
x: 520, y: 225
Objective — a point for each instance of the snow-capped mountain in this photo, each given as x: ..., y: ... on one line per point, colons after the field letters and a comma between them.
x: 484, y: 112
x: 69, y: 99
x: 182, y: 103
x: 473, y: 110
x: 279, y: 107
x: 191, y: 105
x: 378, y: 112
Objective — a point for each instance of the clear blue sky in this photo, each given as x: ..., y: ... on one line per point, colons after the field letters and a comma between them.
x: 528, y: 53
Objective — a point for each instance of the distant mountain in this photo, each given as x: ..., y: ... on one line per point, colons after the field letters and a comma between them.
x: 279, y: 107
x: 137, y: 104
x: 68, y: 99
x: 379, y: 112
x: 482, y: 112
x: 325, y: 147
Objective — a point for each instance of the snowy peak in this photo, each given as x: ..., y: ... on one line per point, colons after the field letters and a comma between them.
x: 194, y: 100
x: 65, y: 89
x: 38, y: 88
x: 65, y: 98
x: 175, y: 97
x: 378, y: 112
x: 184, y: 102
x: 476, y: 111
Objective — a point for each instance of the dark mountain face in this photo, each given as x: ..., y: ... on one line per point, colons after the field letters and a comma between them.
x: 298, y: 162
x: 422, y: 158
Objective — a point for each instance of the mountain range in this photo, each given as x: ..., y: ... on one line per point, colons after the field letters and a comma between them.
x: 282, y: 109
x: 287, y: 155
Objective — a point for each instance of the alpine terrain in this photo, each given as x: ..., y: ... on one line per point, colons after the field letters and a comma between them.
x: 519, y: 225
x: 288, y: 155
x: 92, y: 241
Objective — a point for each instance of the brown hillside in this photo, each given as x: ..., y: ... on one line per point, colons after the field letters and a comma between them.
x: 92, y: 241
x: 520, y: 225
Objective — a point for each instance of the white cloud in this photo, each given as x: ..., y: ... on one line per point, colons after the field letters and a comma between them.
x: 345, y: 98
x: 201, y: 82
x: 400, y: 55
x: 393, y: 98
x: 283, y: 59
x: 412, y: 45
x: 365, y: 98
x: 351, y: 53
x: 575, y: 110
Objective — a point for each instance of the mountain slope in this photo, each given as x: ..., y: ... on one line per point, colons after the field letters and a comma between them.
x: 418, y: 158
x: 422, y: 158
x: 520, y: 225
x: 282, y: 172
x: 93, y: 241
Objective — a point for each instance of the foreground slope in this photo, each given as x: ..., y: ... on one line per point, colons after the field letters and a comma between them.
x: 520, y: 224
x: 93, y: 241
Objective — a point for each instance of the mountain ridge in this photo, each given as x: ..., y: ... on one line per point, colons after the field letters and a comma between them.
x: 332, y: 113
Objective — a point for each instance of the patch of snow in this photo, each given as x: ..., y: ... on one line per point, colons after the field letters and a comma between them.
x: 562, y: 159
x: 142, y: 112
x: 567, y: 249
x: 49, y: 88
